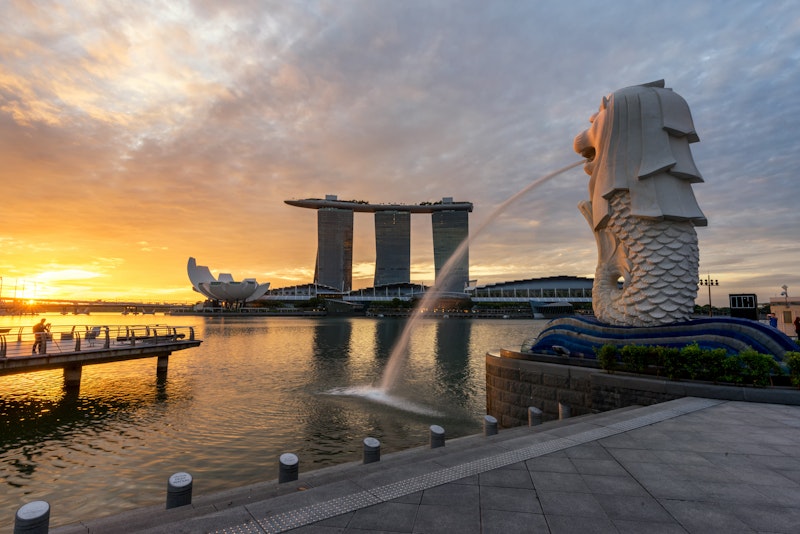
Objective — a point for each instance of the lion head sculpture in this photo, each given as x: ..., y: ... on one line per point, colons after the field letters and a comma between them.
x: 639, y: 142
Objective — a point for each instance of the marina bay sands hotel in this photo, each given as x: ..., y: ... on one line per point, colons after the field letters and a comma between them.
x: 334, y: 267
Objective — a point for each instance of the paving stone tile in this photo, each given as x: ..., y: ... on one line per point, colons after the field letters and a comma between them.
x: 703, y: 473
x: 781, y: 462
x: 760, y: 476
x: 652, y: 469
x: 588, y: 450
x: 506, y: 478
x: 705, y: 517
x: 792, y: 475
x: 317, y: 528
x: 570, y: 524
x: 505, y: 522
x: 575, y: 504
x: 435, y: 518
x: 411, y: 498
x: 735, y: 492
x: 340, y: 521
x: 625, y: 526
x: 470, y: 480
x: 587, y: 466
x: 452, y: 495
x: 614, y: 485
x: 779, y: 496
x: 625, y: 456
x: 670, y: 488
x: 768, y: 518
x: 682, y: 457
x: 620, y: 441
x: 550, y: 463
x: 559, y: 482
x: 638, y: 508
x: 510, y: 499
x: 513, y: 467
x: 396, y: 517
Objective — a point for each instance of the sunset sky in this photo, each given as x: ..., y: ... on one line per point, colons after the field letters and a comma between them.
x: 134, y: 135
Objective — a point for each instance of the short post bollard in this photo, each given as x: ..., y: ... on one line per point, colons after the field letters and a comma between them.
x: 563, y: 411
x: 372, y: 450
x: 489, y: 426
x: 437, y: 436
x: 289, y: 468
x: 534, y: 416
x: 32, y: 518
x: 179, y: 490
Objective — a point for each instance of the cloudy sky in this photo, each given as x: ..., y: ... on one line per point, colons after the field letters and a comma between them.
x: 134, y: 135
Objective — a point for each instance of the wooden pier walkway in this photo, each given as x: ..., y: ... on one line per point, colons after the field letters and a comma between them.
x: 71, y: 347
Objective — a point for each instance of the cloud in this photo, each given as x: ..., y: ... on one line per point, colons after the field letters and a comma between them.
x: 186, y: 126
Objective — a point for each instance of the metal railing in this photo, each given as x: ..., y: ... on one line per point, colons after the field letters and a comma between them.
x: 23, y: 341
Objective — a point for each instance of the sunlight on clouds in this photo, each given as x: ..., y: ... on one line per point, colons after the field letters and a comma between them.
x: 66, y: 275
x: 146, y: 247
x: 188, y: 123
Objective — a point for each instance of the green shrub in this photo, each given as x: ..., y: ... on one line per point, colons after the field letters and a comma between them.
x: 732, y: 369
x: 757, y: 367
x: 671, y: 361
x: 692, y: 360
x: 607, y: 357
x: 749, y: 367
x: 792, y: 360
x: 713, y: 364
x: 636, y: 357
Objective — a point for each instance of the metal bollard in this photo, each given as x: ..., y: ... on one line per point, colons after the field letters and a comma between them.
x: 563, y: 411
x: 437, y: 436
x: 372, y: 450
x: 534, y: 416
x: 489, y: 426
x: 289, y: 468
x: 179, y: 490
x: 32, y: 518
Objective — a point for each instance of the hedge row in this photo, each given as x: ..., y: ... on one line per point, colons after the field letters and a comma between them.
x: 749, y: 367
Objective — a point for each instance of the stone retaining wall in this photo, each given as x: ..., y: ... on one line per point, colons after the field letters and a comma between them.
x: 513, y: 384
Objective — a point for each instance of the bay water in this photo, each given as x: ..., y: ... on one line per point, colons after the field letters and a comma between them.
x: 256, y: 388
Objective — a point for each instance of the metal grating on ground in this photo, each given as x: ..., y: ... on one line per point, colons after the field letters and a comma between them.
x: 325, y: 510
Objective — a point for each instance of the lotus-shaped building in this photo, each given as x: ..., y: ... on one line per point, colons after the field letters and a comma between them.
x: 224, y: 288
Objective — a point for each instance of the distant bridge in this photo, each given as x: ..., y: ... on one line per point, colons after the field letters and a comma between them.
x: 80, y: 306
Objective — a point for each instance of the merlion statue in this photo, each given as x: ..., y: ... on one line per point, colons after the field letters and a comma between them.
x: 641, y: 206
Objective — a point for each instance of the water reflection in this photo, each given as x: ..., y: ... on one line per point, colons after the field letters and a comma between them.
x: 453, y: 375
x: 34, y: 426
x: 225, y: 411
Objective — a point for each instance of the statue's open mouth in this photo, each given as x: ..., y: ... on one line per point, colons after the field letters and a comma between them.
x: 588, y: 153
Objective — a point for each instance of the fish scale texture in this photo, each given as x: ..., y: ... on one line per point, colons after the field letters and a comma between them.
x: 661, y: 259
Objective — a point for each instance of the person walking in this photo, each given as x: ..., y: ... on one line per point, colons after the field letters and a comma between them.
x: 39, y: 333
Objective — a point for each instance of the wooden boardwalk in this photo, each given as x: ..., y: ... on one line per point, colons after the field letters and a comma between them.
x: 72, y: 347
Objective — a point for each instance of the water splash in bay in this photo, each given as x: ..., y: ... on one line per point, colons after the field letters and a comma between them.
x: 397, y: 357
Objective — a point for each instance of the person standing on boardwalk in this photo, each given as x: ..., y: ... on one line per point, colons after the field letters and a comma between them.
x: 39, y: 332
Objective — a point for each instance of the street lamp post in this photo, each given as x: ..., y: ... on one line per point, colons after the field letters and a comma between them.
x: 785, y: 294
x: 707, y: 281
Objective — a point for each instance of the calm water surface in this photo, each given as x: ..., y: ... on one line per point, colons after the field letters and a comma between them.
x: 255, y: 388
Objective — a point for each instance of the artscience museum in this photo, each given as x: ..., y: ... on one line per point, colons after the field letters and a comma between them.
x: 224, y: 288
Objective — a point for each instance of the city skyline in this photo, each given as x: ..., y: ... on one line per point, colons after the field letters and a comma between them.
x: 335, y: 227
x: 137, y: 135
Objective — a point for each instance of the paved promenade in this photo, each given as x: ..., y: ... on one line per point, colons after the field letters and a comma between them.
x: 690, y: 465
